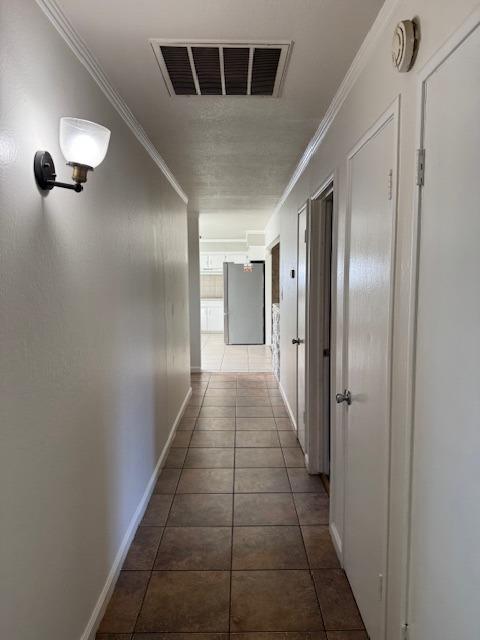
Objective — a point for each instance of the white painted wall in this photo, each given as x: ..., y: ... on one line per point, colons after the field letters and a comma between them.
x: 223, y: 247
x: 271, y: 235
x: 272, y: 230
x: 268, y: 298
x: 194, y: 291
x: 377, y: 86
x: 231, y: 224
x: 256, y: 253
x: 94, y: 354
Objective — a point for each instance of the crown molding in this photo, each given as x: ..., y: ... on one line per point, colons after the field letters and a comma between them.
x: 348, y: 82
x: 78, y: 46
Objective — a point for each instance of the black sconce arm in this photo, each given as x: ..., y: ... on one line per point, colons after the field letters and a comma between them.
x: 44, y: 169
x: 74, y: 186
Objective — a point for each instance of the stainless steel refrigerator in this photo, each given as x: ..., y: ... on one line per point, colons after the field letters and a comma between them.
x: 244, y: 303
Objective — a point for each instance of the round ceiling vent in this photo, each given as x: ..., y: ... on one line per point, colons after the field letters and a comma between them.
x: 403, y: 45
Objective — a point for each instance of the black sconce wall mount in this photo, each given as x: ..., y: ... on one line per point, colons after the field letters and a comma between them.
x: 44, y: 169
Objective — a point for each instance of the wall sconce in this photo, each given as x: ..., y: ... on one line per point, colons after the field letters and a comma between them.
x: 84, y: 145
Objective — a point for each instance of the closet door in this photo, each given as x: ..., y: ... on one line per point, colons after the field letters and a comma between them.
x: 445, y: 534
x: 369, y: 325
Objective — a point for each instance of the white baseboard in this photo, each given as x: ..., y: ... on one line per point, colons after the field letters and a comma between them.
x: 337, y: 541
x: 289, y: 408
x: 102, y: 602
x: 195, y: 369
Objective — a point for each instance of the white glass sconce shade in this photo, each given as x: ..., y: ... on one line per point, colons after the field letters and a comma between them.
x: 83, y: 142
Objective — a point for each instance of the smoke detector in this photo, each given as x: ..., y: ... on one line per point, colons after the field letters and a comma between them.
x: 403, y: 46
x: 222, y: 68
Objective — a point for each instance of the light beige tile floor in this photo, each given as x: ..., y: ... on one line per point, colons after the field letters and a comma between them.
x: 235, y: 541
x: 217, y: 356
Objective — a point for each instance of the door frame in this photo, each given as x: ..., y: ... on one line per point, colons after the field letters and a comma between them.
x: 439, y: 57
x: 392, y: 113
x: 315, y: 429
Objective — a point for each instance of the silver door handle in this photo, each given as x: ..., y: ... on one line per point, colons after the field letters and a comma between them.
x: 346, y: 396
x: 297, y: 341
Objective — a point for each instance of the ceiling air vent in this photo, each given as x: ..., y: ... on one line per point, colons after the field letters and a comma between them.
x: 222, y: 68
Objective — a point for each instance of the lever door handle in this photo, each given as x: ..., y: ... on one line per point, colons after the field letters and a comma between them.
x: 346, y: 396
x: 297, y: 341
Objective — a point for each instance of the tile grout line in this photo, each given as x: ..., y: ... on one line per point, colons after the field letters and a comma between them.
x: 233, y: 517
x: 312, y: 579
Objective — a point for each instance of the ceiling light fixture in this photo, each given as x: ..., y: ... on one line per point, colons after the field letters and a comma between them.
x: 84, y: 145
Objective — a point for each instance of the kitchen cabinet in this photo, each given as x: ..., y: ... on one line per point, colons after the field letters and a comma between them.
x: 211, y: 315
x: 213, y: 262
x: 204, y: 261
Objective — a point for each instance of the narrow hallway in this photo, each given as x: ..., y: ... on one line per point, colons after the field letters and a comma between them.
x: 235, y: 538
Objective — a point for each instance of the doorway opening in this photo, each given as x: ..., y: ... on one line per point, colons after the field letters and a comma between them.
x: 314, y: 337
x: 232, y: 298
x: 320, y: 334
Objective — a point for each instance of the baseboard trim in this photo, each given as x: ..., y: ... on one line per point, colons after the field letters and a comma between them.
x: 101, y: 604
x: 195, y: 369
x: 337, y: 541
x: 291, y: 415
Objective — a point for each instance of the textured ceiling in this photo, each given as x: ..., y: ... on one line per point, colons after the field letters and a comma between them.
x: 228, y: 153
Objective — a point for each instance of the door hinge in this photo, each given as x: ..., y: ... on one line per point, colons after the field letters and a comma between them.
x: 380, y: 586
x: 305, y: 236
x: 390, y: 184
x: 405, y: 634
x: 420, y: 167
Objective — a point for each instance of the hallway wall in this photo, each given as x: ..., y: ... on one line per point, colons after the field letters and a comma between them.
x: 94, y: 353
x: 377, y: 86
x: 194, y: 291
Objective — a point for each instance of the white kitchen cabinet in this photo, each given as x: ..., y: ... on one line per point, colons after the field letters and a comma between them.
x: 203, y: 317
x: 237, y: 258
x: 213, y: 262
x: 216, y: 261
x: 212, y: 315
x: 204, y: 261
x: 215, y: 318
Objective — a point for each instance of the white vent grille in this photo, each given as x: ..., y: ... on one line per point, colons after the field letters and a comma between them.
x: 222, y: 68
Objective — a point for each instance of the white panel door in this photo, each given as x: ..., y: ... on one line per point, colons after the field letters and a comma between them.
x: 445, y: 535
x: 301, y: 323
x: 369, y: 294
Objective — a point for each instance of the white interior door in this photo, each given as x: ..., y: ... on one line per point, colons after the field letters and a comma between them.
x: 369, y: 295
x: 301, y: 322
x: 445, y: 534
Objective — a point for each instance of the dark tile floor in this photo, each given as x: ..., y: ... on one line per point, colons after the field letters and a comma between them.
x: 235, y: 538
